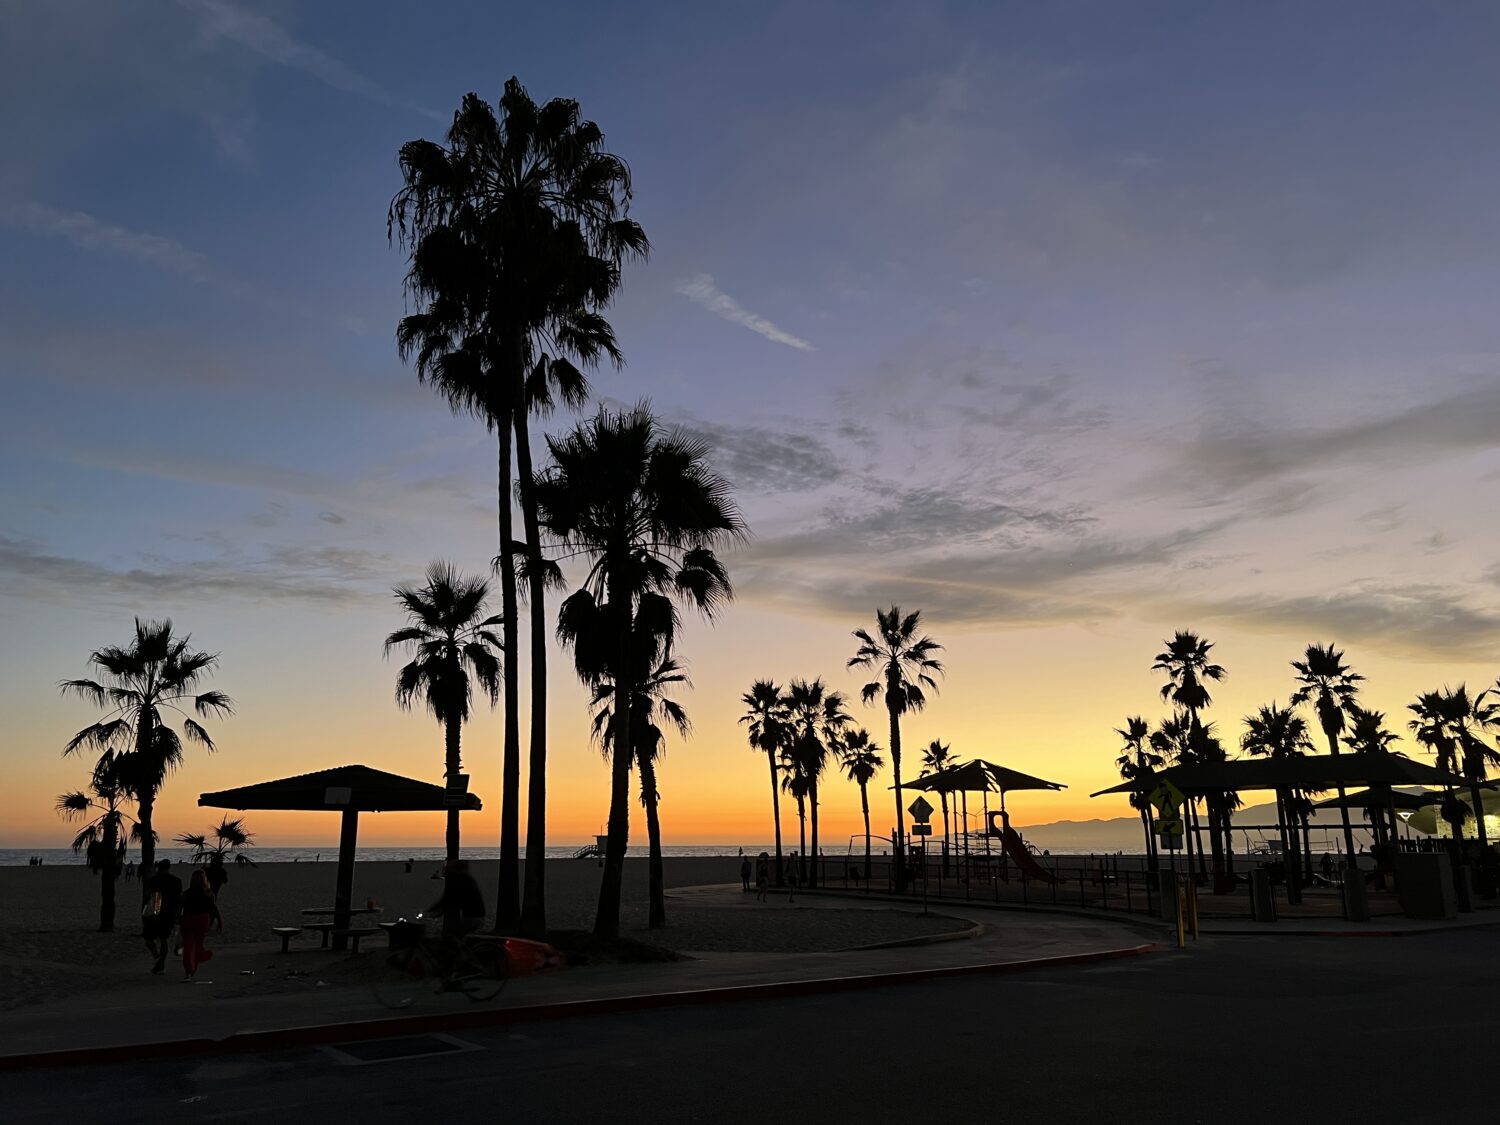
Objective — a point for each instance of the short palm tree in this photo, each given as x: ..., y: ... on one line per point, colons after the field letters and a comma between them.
x: 646, y: 512
x: 861, y: 760
x: 651, y: 704
x: 450, y: 639
x: 1137, y: 762
x: 1189, y: 671
x: 1450, y: 723
x: 517, y: 228
x: 1280, y: 733
x: 1330, y: 686
x: 905, y: 663
x: 225, y: 838
x: 937, y: 757
x: 767, y: 719
x: 102, y: 839
x: 818, y: 718
x: 138, y: 684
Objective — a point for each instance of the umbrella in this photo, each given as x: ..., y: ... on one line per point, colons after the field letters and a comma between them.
x: 349, y: 790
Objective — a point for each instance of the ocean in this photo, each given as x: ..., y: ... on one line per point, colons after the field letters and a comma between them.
x: 19, y: 857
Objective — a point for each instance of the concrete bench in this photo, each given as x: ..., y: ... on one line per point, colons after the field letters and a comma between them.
x: 321, y: 928
x: 286, y: 934
x: 355, y: 936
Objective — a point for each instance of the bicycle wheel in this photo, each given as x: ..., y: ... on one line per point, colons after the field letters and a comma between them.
x: 481, y: 973
x: 406, y: 975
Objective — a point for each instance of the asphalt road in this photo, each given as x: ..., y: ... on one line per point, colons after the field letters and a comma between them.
x: 1252, y: 1030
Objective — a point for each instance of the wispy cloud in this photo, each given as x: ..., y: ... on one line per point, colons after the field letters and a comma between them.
x: 253, y: 31
x: 88, y: 232
x: 701, y: 290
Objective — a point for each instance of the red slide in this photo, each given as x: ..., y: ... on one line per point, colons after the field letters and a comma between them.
x: 1010, y: 843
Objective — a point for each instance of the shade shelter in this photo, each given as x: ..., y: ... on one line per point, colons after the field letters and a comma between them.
x: 979, y: 776
x: 348, y: 790
x: 1367, y: 799
x: 1310, y: 773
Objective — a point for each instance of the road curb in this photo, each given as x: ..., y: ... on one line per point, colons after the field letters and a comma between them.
x: 247, y: 1041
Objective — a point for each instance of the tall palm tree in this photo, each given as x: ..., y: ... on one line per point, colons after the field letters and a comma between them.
x: 1280, y: 733
x: 1138, y: 761
x: 937, y: 757
x: 138, y: 683
x: 1367, y: 734
x: 650, y: 704
x: 905, y: 663
x: 818, y: 718
x: 450, y: 639
x: 517, y: 228
x: 768, y: 722
x: 1459, y: 720
x: 861, y: 761
x: 1330, y: 686
x: 1189, y: 672
x: 647, y: 513
x: 1432, y: 728
x: 795, y: 782
x: 102, y: 838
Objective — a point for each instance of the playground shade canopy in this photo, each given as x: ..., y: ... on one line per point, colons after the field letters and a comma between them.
x: 1381, y: 799
x: 978, y: 776
x: 349, y: 790
x: 1311, y: 772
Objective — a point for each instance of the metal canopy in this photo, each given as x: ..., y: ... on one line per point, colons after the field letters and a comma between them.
x: 978, y: 776
x: 1312, y: 773
x: 344, y: 787
x: 348, y: 790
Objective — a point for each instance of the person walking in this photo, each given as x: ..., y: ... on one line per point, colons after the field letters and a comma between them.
x: 218, y: 874
x: 160, y: 915
x: 762, y: 876
x: 462, y: 904
x: 791, y: 878
x: 745, y: 874
x: 198, y: 910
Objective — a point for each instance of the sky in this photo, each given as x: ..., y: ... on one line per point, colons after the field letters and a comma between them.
x: 1069, y: 325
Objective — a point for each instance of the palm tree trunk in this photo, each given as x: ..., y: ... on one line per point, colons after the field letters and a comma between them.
x: 1215, y: 843
x: 107, y: 879
x: 898, y: 851
x: 507, y: 894
x: 452, y: 768
x: 1484, y: 842
x: 145, y: 809
x: 534, y: 902
x: 657, y: 891
x: 1305, y: 812
x: 776, y: 814
x: 864, y: 806
x: 802, y: 829
x: 621, y: 612
x: 1333, y: 745
x: 812, y: 864
x: 946, y: 845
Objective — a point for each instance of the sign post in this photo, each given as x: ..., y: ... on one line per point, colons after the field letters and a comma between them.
x: 921, y: 814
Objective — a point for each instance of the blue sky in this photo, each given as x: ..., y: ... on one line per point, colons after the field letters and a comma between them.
x: 1060, y: 321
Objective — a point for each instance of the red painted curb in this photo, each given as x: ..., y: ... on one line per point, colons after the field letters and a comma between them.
x: 499, y: 1017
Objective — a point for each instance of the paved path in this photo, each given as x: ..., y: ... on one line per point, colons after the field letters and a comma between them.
x: 234, y: 1003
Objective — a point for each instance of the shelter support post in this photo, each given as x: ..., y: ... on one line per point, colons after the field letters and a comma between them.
x: 348, y: 839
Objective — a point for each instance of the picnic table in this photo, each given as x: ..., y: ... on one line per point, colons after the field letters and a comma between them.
x: 312, y: 915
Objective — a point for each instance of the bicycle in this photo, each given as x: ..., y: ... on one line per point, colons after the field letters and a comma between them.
x: 419, y: 965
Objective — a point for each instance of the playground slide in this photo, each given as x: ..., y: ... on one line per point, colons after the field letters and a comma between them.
x: 1010, y: 842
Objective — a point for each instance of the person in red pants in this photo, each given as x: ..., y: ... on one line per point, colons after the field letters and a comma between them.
x: 198, y: 910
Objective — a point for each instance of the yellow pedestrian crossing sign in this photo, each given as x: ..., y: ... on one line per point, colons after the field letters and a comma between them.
x: 1165, y: 796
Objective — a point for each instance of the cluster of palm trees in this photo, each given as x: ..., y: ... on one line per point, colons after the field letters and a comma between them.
x: 805, y: 727
x: 1448, y: 722
x: 141, y: 686
x: 517, y: 227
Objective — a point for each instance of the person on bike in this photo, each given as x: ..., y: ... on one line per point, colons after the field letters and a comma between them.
x: 462, y: 905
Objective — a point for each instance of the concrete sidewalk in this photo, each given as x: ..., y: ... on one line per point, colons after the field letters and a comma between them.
x: 227, y: 1007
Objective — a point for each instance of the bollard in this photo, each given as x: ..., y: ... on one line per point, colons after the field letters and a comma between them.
x: 1262, y: 901
x: 1356, y: 901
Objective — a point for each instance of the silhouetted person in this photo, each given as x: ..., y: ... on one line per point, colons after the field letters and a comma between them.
x: 762, y: 876
x: 792, y: 875
x: 745, y: 873
x: 462, y: 905
x: 217, y: 875
x: 409, y: 862
x: 162, y: 907
x: 198, y: 910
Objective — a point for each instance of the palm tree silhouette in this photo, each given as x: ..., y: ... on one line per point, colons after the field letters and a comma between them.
x: 1185, y: 661
x: 225, y: 838
x: 155, y: 673
x: 1137, y: 762
x: 646, y: 511
x: 1280, y: 733
x: 818, y: 719
x: 450, y: 638
x: 102, y: 837
x: 1331, y: 687
x: 861, y: 760
x: 649, y: 703
x: 937, y: 757
x: 905, y: 664
x: 768, y: 722
x: 517, y: 228
x: 795, y: 782
x: 1450, y: 722
x: 1432, y: 729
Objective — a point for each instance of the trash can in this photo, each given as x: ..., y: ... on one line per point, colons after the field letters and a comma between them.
x: 1356, y: 898
x: 1262, y: 900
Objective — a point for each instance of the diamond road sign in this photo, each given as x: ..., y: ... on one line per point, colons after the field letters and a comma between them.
x: 920, y: 810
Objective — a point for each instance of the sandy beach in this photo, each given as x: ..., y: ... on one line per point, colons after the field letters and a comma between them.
x: 49, y: 944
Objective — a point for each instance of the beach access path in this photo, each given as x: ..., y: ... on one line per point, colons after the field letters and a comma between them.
x: 315, y: 988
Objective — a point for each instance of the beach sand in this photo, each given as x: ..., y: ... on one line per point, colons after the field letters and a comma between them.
x: 49, y: 944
